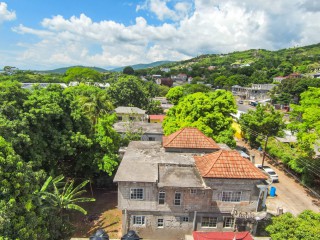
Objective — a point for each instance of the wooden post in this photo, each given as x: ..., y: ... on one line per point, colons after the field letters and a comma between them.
x: 264, y: 152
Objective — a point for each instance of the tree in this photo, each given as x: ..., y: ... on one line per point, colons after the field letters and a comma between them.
x: 19, y: 215
x: 128, y: 70
x: 305, y: 120
x: 265, y: 120
x: 56, y: 198
x: 154, y: 107
x: 305, y: 226
x: 175, y: 94
x: 82, y: 74
x: 129, y: 91
x: 209, y: 112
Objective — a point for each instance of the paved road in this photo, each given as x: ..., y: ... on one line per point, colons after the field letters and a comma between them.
x: 244, y: 107
x: 290, y: 195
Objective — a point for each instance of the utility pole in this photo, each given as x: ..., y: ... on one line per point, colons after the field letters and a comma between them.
x: 265, y: 149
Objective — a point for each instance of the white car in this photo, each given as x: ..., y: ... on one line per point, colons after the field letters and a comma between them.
x: 269, y: 171
x: 272, y: 174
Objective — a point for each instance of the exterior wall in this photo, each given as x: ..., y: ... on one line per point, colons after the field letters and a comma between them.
x: 156, y: 121
x: 131, y: 117
x: 249, y: 194
x: 151, y: 137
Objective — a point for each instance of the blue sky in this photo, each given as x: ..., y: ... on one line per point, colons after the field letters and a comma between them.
x: 46, y: 34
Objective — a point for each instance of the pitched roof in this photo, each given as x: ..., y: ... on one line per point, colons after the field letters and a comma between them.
x: 221, y: 236
x: 227, y: 164
x: 190, y: 138
x: 129, y: 110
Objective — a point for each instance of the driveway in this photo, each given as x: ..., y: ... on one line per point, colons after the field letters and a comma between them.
x: 291, y: 196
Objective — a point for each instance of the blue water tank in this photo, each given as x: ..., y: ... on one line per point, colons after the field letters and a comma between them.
x: 272, y: 192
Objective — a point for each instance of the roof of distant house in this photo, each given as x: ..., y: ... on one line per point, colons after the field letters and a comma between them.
x: 134, y: 126
x: 129, y: 110
x: 221, y: 235
x: 227, y: 164
x: 190, y: 138
x: 157, y: 117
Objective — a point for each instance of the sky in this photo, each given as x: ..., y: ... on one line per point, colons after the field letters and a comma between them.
x: 46, y: 34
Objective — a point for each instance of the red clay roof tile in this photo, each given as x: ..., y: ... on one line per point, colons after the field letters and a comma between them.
x: 227, y: 164
x: 190, y: 138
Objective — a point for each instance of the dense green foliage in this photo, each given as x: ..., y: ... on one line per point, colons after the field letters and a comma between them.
x: 209, y: 112
x: 305, y: 226
x: 261, y: 122
x: 176, y: 93
x: 128, y: 70
x: 51, y: 131
x: 80, y: 74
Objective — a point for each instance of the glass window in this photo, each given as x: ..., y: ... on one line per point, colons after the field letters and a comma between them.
x: 161, y: 197
x: 136, y: 193
x: 209, y: 222
x: 160, y: 223
x: 177, y: 198
x: 231, y: 197
x: 184, y: 219
x: 193, y: 191
x: 152, y: 138
x: 228, y: 222
x: 138, y: 220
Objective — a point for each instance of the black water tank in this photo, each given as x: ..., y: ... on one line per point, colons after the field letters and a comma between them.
x: 131, y: 235
x: 100, y: 235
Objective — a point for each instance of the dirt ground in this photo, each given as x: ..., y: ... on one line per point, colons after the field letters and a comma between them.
x: 102, y: 213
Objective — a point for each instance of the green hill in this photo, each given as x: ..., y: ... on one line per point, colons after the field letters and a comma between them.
x: 142, y: 66
x: 63, y: 70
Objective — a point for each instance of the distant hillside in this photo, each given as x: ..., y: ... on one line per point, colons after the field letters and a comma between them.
x: 63, y: 70
x: 142, y: 66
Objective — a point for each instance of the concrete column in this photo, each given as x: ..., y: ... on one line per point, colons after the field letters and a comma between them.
x: 264, y: 197
x: 195, y: 221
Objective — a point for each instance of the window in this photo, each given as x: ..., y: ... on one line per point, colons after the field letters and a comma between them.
x: 136, y: 193
x: 161, y: 197
x: 138, y: 220
x: 209, y: 222
x: 184, y: 219
x: 177, y: 198
x: 160, y: 223
x: 132, y: 118
x: 193, y: 191
x: 228, y: 222
x: 119, y: 118
x: 231, y: 196
x: 152, y: 138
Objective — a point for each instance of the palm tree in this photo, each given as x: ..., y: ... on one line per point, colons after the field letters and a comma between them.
x: 63, y: 195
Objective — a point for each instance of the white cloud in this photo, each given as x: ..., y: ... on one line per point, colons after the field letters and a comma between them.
x: 5, y: 14
x: 203, y: 26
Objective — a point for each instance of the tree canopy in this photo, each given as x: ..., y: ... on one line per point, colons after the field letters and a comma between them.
x: 129, y: 91
x: 209, y: 112
x: 305, y: 226
x: 261, y: 122
x: 82, y: 74
x: 128, y: 70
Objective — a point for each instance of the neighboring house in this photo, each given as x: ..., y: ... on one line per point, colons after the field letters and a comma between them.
x: 180, y: 77
x: 148, y: 131
x: 126, y: 114
x: 185, y: 184
x: 156, y: 118
x: 165, y: 70
x: 164, y: 81
x: 164, y: 103
x: 317, y: 75
x: 279, y: 79
x: 42, y: 85
x: 255, y: 92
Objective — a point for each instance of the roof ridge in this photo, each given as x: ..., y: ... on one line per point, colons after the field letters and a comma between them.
x: 214, y: 161
x: 178, y: 133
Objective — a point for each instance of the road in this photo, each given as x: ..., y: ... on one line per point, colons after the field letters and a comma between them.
x: 291, y: 196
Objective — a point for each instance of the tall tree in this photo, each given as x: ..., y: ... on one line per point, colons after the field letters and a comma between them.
x: 82, y: 74
x: 264, y: 120
x: 209, y: 112
x: 129, y: 91
x: 128, y: 70
x: 19, y: 215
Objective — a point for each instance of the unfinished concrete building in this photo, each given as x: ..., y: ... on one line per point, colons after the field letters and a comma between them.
x: 186, y: 183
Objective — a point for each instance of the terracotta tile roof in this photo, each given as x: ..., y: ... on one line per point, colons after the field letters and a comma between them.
x: 227, y: 164
x: 221, y: 236
x: 190, y: 138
